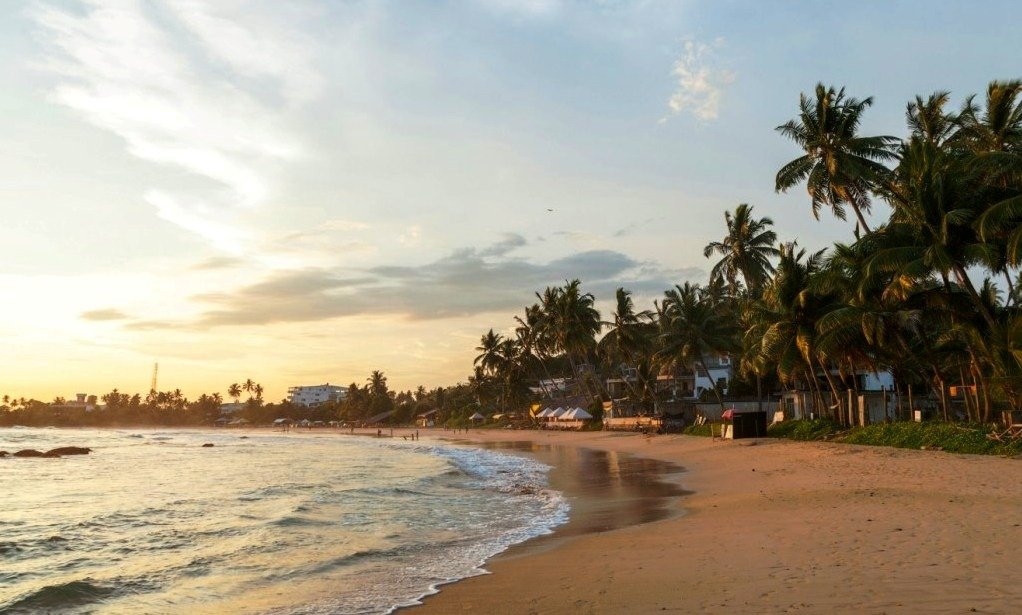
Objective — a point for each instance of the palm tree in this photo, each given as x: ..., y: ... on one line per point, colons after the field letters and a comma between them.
x: 491, y: 358
x: 630, y: 338
x: 249, y: 386
x: 692, y: 328
x: 745, y: 250
x: 569, y: 325
x: 787, y: 317
x: 839, y: 167
x: 234, y: 391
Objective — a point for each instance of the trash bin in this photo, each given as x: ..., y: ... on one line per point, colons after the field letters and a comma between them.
x: 751, y: 424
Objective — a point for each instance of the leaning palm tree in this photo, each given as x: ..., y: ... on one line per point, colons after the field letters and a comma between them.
x: 234, y: 391
x: 745, y: 250
x: 839, y: 166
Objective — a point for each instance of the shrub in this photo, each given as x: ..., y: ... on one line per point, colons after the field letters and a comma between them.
x: 816, y: 429
x: 950, y: 437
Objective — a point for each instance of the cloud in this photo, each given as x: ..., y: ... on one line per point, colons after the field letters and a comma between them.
x: 511, y: 241
x: 700, y: 81
x: 217, y: 262
x: 190, y: 86
x: 103, y: 315
x: 466, y: 282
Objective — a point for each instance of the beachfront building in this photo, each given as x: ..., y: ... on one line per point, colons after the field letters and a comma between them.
x: 314, y: 395
x: 872, y: 400
x: 677, y: 383
x: 551, y: 387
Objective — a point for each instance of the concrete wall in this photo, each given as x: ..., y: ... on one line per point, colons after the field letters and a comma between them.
x: 712, y: 411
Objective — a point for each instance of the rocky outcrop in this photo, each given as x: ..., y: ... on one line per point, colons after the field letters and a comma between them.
x: 53, y: 453
x: 4, y: 454
x: 207, y: 445
x: 69, y: 450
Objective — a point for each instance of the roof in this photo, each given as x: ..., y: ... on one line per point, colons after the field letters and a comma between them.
x: 425, y: 415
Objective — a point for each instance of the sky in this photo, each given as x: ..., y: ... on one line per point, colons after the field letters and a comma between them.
x: 302, y: 192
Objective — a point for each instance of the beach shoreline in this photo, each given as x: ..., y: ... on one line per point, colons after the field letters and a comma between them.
x: 771, y: 526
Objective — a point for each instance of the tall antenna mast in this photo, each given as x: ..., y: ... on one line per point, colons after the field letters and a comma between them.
x: 156, y: 370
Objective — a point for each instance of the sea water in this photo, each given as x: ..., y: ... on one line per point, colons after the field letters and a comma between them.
x: 262, y: 522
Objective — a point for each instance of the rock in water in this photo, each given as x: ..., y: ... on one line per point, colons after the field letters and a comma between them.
x: 69, y: 450
x: 28, y: 452
x: 4, y: 454
x: 207, y: 445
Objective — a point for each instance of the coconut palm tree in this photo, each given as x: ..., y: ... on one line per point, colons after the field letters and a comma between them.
x: 839, y: 166
x: 691, y: 328
x: 234, y: 391
x: 491, y: 358
x: 745, y: 250
x: 787, y: 316
x: 571, y: 323
x: 629, y: 338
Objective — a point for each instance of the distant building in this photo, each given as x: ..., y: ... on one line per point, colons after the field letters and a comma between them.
x: 314, y: 395
x: 82, y: 401
x: 232, y: 407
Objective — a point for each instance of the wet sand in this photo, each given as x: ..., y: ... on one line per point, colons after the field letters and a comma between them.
x: 770, y: 527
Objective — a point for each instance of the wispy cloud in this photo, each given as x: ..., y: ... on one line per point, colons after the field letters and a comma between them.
x: 190, y: 86
x: 701, y: 81
x: 104, y: 314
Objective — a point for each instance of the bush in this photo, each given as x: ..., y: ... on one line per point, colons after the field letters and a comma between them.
x: 816, y: 429
x: 697, y: 430
x: 950, y: 437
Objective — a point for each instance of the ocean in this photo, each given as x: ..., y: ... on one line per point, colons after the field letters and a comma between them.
x: 262, y: 522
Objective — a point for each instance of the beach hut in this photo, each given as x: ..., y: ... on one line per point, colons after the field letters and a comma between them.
x: 284, y: 421
x: 477, y: 417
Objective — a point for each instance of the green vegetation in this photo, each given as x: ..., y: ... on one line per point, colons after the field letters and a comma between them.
x: 817, y: 429
x: 698, y: 430
x: 968, y: 438
x: 950, y: 437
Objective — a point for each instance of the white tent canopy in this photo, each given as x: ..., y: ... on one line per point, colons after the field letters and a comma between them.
x: 476, y: 417
x: 542, y: 414
x: 557, y: 413
x: 578, y: 414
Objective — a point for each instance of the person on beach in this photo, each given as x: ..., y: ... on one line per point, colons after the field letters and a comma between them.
x: 379, y: 433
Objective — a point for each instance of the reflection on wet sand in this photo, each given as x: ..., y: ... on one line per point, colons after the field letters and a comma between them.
x: 607, y: 490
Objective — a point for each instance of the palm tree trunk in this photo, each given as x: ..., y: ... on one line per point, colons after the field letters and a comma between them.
x: 862, y: 220
x: 965, y: 282
x: 713, y: 383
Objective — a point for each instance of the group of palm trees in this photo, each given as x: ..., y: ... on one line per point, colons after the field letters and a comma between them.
x: 254, y: 390
x: 930, y: 294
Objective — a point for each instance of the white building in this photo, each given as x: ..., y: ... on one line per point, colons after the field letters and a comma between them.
x: 315, y: 395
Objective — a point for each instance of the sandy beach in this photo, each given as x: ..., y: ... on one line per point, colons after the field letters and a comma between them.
x: 773, y: 526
